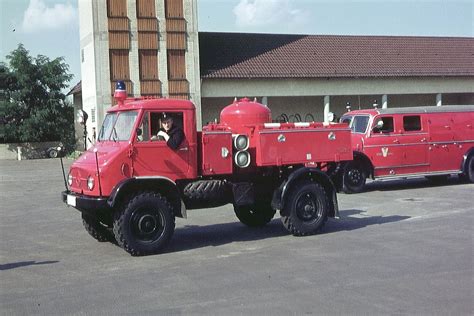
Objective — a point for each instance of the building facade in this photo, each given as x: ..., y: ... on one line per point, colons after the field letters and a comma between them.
x: 304, y: 77
x: 151, y: 45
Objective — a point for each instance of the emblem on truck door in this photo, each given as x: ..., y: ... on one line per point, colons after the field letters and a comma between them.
x: 384, y: 152
x: 281, y: 138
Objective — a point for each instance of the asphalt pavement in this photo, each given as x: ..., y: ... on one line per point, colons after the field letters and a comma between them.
x: 402, y: 248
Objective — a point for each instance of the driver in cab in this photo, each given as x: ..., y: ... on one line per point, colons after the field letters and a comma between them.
x: 170, y: 133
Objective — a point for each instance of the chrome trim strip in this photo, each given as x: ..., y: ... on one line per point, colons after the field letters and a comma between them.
x: 215, y: 133
x: 421, y: 174
x: 156, y: 177
x: 403, y: 166
x: 319, y: 130
x: 422, y: 143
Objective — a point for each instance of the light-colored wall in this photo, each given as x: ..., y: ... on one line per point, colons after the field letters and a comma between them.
x: 334, y: 87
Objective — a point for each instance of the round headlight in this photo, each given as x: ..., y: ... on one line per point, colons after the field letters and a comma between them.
x: 242, y: 159
x: 241, y: 142
x: 90, y: 183
x: 69, y: 179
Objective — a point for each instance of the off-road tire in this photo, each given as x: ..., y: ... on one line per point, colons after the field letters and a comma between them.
x: 257, y: 215
x: 307, y: 209
x: 145, y: 224
x: 354, y: 177
x: 206, y: 193
x: 96, y: 229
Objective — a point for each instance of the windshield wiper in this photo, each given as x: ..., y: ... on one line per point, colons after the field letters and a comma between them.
x: 114, y: 135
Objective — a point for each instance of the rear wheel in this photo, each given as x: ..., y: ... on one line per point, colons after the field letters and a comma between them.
x: 96, y: 229
x: 306, y: 208
x: 354, y: 177
x: 145, y: 224
x: 257, y: 215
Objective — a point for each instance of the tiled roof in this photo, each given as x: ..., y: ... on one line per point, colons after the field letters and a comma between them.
x: 76, y: 89
x: 240, y: 55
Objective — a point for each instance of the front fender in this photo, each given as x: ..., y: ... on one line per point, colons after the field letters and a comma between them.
x: 164, y: 186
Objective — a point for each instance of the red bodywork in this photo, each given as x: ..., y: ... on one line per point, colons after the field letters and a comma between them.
x: 207, y: 153
x: 416, y: 141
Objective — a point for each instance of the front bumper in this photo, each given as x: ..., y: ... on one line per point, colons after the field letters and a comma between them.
x: 85, y: 204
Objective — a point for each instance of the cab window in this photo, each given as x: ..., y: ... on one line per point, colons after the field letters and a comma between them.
x: 412, y: 123
x: 385, y: 127
x: 151, y: 124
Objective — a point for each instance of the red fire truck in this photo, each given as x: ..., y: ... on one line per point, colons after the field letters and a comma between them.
x: 429, y: 141
x: 130, y: 186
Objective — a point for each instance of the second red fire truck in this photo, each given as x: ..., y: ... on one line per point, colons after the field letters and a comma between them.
x: 429, y: 141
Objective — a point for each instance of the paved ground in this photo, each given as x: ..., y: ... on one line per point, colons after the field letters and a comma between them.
x: 398, y: 250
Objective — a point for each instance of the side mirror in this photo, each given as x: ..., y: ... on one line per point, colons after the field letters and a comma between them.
x: 379, y: 125
x: 139, y: 132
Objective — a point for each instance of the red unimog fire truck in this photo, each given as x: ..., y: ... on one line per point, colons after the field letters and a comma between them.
x: 131, y: 187
x: 407, y: 142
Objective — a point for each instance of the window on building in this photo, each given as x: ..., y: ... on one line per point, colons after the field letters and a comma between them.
x: 412, y: 123
x: 119, y: 66
x: 176, y: 64
x: 148, y: 64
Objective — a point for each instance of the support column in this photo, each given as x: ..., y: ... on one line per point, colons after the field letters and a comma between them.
x: 439, y: 101
x: 384, y: 101
x: 326, y: 109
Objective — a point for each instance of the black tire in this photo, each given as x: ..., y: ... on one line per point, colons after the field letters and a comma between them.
x: 145, y: 224
x: 96, y: 229
x: 257, y: 215
x: 307, y: 208
x: 354, y: 177
x: 52, y: 153
x: 470, y: 169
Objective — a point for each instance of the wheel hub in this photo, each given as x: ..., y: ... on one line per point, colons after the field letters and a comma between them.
x: 306, y: 208
x: 147, y: 224
x: 355, y: 176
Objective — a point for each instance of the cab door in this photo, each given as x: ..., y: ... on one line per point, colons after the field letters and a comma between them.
x: 383, y: 146
x: 152, y: 157
x: 414, y: 144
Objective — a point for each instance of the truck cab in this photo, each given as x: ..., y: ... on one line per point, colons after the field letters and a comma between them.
x: 409, y: 142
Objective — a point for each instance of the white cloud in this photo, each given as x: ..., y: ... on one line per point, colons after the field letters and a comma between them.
x: 264, y: 13
x: 39, y: 17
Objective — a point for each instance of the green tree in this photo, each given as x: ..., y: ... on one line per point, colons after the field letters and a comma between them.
x: 33, y: 107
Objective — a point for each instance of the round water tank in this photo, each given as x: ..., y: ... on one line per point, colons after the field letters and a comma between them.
x: 245, y: 112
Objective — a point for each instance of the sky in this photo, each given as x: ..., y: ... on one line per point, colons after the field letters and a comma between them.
x: 51, y: 27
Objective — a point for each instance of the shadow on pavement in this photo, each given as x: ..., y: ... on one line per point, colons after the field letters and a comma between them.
x: 194, y: 237
x: 348, y: 223
x: 14, y: 265
x: 405, y: 184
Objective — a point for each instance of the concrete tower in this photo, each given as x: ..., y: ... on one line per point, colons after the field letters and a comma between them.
x: 152, y: 45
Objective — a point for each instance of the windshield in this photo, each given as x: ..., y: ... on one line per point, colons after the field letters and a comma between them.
x: 122, y: 129
x: 358, y: 123
x: 107, y: 126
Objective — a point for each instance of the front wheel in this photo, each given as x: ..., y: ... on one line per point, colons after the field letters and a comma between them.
x: 257, y: 215
x: 145, y: 224
x: 96, y: 229
x: 306, y: 208
x: 354, y: 177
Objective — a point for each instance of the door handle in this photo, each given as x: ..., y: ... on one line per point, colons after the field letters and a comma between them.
x: 396, y: 141
x: 183, y: 149
x: 423, y: 139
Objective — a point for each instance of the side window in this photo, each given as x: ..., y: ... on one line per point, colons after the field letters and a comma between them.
x: 145, y: 128
x: 384, y: 125
x: 156, y: 119
x: 412, y: 123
